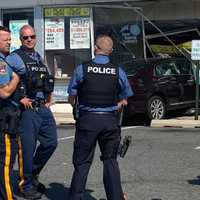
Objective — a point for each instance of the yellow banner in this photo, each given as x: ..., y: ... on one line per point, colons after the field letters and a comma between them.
x: 163, y: 49
x: 69, y: 12
x: 187, y: 45
x: 169, y: 49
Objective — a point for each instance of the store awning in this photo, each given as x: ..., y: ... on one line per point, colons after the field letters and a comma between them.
x: 177, y: 37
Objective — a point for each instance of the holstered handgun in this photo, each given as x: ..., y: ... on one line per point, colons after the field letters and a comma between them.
x: 120, y: 116
x: 75, y: 110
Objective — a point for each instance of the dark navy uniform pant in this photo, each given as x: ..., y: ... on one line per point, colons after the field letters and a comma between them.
x: 8, y: 151
x: 90, y: 129
x: 36, y: 125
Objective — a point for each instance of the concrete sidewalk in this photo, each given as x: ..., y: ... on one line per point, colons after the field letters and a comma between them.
x: 180, y: 122
x: 63, y: 116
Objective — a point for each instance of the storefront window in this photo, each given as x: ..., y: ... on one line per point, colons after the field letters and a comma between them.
x: 124, y: 25
x: 67, y: 39
x: 70, y: 33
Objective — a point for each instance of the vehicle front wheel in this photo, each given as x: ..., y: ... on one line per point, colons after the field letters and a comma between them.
x: 156, y: 108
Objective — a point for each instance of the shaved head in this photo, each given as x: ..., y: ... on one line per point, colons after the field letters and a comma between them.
x: 104, y: 45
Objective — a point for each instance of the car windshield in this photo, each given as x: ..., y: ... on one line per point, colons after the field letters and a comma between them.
x: 131, y: 67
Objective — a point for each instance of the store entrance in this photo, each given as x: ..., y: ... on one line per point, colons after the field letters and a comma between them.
x: 14, y: 20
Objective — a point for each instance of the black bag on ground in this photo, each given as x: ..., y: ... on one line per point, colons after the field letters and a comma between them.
x: 9, y: 120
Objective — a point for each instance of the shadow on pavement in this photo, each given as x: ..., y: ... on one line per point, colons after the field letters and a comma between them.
x: 88, y: 195
x: 56, y: 190
x: 137, y: 120
x: 143, y: 120
x: 195, y: 181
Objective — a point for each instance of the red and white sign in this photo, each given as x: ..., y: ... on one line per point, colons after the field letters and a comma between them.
x: 80, y: 33
x: 54, y: 33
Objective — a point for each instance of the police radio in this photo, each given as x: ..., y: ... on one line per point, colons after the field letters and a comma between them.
x: 49, y: 83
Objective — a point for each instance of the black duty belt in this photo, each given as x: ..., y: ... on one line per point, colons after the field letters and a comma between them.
x: 99, y: 113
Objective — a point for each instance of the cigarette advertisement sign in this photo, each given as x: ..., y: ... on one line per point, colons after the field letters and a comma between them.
x: 80, y: 33
x: 54, y: 33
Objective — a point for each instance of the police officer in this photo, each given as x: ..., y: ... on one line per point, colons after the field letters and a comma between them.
x: 8, y: 141
x: 37, y: 123
x: 102, y: 88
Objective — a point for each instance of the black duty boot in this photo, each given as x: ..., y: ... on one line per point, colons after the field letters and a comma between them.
x: 31, y: 193
x: 39, y: 186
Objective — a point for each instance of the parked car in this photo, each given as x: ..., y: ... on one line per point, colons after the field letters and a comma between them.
x: 160, y: 85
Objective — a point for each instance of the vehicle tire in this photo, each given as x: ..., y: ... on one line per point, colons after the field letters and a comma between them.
x: 156, y: 108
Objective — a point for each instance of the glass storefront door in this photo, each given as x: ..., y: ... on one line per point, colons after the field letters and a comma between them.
x: 14, y: 20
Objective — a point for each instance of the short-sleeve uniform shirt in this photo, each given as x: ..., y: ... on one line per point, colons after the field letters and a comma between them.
x: 5, y: 71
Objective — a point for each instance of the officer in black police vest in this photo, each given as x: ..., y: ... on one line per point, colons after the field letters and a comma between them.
x: 101, y: 88
x: 37, y: 123
x: 8, y: 118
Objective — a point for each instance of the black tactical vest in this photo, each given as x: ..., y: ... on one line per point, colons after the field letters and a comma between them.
x: 33, y: 79
x: 100, y: 85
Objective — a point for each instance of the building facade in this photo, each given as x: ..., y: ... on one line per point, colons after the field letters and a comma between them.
x: 66, y: 29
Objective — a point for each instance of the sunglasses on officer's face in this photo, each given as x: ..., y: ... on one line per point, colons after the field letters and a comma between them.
x: 29, y: 36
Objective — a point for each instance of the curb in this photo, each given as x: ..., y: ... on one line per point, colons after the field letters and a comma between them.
x: 176, y: 123
x: 63, y: 119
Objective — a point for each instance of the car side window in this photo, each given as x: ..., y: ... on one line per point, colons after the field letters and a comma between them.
x: 167, y: 68
x: 184, y: 66
x: 160, y: 69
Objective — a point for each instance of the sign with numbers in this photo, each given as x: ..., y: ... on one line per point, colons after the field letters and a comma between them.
x: 80, y: 33
x: 66, y: 11
x: 54, y: 33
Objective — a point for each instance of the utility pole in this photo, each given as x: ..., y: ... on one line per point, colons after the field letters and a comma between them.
x: 195, y: 55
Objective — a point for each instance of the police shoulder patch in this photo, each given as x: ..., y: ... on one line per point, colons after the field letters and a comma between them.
x: 3, y: 68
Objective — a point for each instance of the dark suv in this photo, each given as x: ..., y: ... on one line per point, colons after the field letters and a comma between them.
x: 160, y: 85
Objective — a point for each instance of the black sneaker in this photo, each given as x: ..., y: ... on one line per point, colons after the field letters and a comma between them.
x: 31, y: 193
x: 39, y: 186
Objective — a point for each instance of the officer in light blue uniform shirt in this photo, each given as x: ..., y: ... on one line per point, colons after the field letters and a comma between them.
x: 16, y: 61
x: 102, y: 89
x: 8, y: 135
x: 37, y: 121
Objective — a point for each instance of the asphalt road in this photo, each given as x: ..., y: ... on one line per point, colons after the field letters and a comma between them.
x: 161, y: 164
